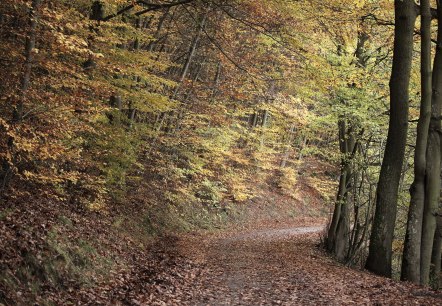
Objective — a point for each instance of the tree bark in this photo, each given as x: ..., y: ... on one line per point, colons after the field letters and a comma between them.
x: 431, y: 200
x: 338, y: 233
x: 412, y: 248
x: 436, y: 255
x: 331, y: 234
x: 97, y: 11
x: 432, y: 188
x: 381, y: 238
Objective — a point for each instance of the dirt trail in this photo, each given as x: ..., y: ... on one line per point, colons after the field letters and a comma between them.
x: 284, y: 267
x: 254, y: 268
x: 279, y: 265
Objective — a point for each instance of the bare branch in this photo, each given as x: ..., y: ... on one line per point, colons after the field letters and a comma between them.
x: 150, y: 7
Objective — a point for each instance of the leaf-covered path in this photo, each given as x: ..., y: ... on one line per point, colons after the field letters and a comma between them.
x: 253, y: 269
x: 275, y: 266
x: 285, y: 267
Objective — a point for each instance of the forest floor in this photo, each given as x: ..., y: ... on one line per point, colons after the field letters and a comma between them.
x: 54, y: 255
x: 272, y: 264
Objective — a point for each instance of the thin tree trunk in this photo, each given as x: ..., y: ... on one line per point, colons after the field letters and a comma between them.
x: 255, y: 119
x: 216, y: 80
x: 191, y: 53
x: 381, y: 238
x: 265, y: 117
x: 185, y: 69
x: 157, y: 33
x: 288, y: 147
x: 412, y: 248
x: 332, y: 231
x: 29, y: 58
x: 301, y: 149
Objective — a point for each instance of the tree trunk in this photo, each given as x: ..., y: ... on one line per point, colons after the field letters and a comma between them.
x: 432, y: 188
x: 191, y: 53
x: 381, y: 238
x: 331, y: 235
x: 288, y: 148
x: 115, y: 101
x: 412, y: 248
x: 432, y: 194
x: 157, y: 33
x: 97, y: 11
x: 216, y: 80
x: 29, y: 58
x: 436, y: 255
x: 255, y: 120
x: 341, y: 244
x: 338, y: 233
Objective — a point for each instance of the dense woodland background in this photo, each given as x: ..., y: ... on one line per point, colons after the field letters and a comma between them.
x: 124, y: 120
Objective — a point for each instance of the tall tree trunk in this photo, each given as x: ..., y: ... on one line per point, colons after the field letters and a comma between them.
x: 338, y: 232
x: 431, y: 201
x: 340, y: 197
x: 432, y: 188
x: 338, y: 238
x: 381, y: 238
x: 412, y: 247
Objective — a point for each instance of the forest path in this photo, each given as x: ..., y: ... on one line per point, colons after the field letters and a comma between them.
x: 284, y: 266
x: 273, y: 264
x: 255, y: 268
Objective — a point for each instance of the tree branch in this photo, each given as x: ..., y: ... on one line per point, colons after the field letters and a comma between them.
x: 153, y: 7
x: 150, y: 7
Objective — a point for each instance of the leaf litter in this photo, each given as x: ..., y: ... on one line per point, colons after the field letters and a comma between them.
x: 278, y: 265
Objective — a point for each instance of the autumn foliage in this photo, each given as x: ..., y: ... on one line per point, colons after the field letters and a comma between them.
x: 124, y: 120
